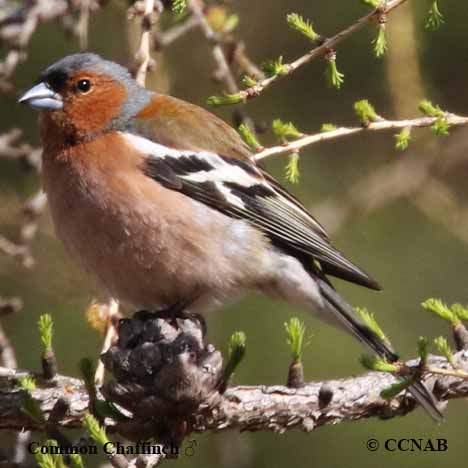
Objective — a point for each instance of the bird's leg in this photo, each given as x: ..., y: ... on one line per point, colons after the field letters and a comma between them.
x: 110, y: 337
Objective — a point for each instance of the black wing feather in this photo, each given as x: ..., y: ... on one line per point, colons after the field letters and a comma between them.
x: 263, y: 203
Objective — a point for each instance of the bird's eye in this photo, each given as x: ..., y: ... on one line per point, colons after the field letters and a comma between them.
x: 83, y: 86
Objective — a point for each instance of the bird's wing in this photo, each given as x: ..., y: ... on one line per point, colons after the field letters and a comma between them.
x: 212, y: 173
x: 181, y: 125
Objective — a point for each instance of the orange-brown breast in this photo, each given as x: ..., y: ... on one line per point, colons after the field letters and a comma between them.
x: 145, y: 244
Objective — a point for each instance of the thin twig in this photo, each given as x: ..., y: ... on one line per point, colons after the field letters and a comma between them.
x: 21, y: 20
x: 166, y: 38
x: 325, y: 47
x: 452, y: 119
x: 460, y: 374
x: 224, y: 71
x: 11, y: 147
x: 143, y: 55
x: 32, y: 212
x: 22, y: 252
x: 83, y: 24
x: 10, y: 305
x: 240, y: 56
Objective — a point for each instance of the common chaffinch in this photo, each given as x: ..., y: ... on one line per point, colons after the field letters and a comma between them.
x: 160, y: 201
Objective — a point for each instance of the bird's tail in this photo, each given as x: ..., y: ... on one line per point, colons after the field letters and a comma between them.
x: 346, y: 315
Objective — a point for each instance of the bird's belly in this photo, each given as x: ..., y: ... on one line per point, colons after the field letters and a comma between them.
x: 150, y: 257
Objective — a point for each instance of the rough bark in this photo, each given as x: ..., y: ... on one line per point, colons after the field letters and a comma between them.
x: 252, y: 408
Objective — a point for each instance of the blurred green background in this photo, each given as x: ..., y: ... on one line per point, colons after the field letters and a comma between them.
x: 415, y: 244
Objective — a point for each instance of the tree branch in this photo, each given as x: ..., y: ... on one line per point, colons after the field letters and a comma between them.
x: 10, y: 305
x: 452, y: 119
x: 325, y: 47
x: 275, y: 408
x: 224, y: 71
x: 21, y: 20
x: 143, y: 56
x: 11, y: 147
x: 166, y: 38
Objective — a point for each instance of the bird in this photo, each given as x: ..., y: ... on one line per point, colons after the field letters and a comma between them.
x: 161, y: 202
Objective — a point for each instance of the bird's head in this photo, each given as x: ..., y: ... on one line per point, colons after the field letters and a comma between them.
x: 83, y: 94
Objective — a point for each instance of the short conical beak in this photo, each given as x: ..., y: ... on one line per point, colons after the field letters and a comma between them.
x: 42, y: 97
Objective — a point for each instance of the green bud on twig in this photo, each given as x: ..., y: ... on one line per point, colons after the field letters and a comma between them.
x: 98, y: 434
x: 88, y: 369
x: 298, y: 23
x: 292, y: 168
x: 371, y: 322
x: 295, y: 331
x: 44, y: 460
x: 226, y: 99
x: 441, y: 127
x: 100, y: 408
x: 440, y: 309
x: 231, y: 23
x: 48, y: 459
x: 395, y: 389
x: 179, y: 6
x: 334, y: 77
x: 275, y: 68
x: 372, y: 3
x: 28, y: 404
x: 380, y: 42
x: 423, y: 350
x: 444, y: 348
x: 378, y: 364
x: 76, y: 461
x: 429, y: 109
x: 460, y: 311
x: 95, y: 430
x: 435, y: 19
x: 328, y: 127
x: 249, y: 136
x: 285, y: 130
x: 249, y: 81
x: 27, y: 383
x: 46, y: 331
x: 236, y: 352
x: 365, y: 112
x: 402, y: 139
x: 48, y: 359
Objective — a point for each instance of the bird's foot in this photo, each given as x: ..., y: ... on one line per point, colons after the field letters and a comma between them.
x: 174, y: 312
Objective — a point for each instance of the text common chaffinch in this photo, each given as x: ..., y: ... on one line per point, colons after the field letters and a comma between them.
x: 160, y: 201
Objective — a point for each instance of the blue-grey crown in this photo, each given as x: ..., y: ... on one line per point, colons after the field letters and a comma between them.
x: 56, y: 74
